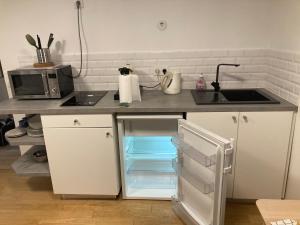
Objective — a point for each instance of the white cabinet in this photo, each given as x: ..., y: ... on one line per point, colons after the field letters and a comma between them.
x: 293, y: 184
x: 262, y: 145
x: 262, y: 154
x: 82, y: 156
x: 224, y: 124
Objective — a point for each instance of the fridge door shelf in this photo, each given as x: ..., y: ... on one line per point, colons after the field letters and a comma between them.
x: 198, y: 175
x: 143, y: 167
x: 204, y: 186
x: 186, y: 215
x: 207, y: 160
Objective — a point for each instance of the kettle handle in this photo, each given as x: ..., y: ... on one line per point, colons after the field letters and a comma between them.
x: 166, y: 81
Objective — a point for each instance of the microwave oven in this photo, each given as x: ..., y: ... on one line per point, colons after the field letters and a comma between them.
x: 41, y: 83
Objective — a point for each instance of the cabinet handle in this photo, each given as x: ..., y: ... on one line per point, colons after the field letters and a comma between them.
x: 108, y: 134
x: 76, y: 122
x: 245, y: 118
x: 234, y: 119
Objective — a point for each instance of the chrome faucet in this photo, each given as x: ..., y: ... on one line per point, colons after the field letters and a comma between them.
x: 216, y: 83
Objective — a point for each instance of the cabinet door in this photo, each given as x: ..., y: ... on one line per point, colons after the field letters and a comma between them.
x: 82, y: 161
x: 224, y: 124
x: 261, y: 159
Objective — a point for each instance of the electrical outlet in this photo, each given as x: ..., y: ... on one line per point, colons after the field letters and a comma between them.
x: 157, y: 71
x: 162, y: 25
x: 81, y: 4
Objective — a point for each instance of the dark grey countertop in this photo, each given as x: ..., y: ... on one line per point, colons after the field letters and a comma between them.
x: 152, y: 102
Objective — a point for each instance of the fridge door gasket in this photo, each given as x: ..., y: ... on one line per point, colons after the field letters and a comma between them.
x: 190, y: 199
x: 121, y: 132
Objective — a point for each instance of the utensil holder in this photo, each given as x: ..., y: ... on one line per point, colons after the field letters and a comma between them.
x: 43, y: 55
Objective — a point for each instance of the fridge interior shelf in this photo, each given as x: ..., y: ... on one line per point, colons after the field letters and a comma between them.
x: 203, y: 159
x: 27, y: 166
x: 25, y: 140
x: 140, y: 167
x: 152, y: 181
x: 159, y: 147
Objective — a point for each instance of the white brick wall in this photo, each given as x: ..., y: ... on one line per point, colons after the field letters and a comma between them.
x: 101, y: 70
x: 283, y: 69
x: 278, y: 71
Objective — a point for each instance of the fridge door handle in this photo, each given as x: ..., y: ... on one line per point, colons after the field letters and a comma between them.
x: 227, y: 169
x: 228, y: 158
x: 229, y: 152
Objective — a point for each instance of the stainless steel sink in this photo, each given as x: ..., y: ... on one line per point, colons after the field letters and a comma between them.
x: 233, y: 96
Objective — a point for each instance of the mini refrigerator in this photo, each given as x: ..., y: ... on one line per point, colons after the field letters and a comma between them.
x: 165, y: 157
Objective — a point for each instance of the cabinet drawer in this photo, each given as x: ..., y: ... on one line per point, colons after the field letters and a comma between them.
x: 61, y: 121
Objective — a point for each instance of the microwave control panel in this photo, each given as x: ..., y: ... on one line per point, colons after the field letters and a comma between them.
x: 53, y: 85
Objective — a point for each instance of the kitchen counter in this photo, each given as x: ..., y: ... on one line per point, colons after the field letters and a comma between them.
x: 152, y: 102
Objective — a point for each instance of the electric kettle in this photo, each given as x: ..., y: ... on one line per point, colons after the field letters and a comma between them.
x: 171, y: 83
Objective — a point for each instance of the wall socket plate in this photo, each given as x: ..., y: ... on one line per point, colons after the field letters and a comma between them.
x: 81, y: 4
x: 162, y: 25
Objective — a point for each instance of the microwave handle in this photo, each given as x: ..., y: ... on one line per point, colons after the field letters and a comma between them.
x: 45, y: 83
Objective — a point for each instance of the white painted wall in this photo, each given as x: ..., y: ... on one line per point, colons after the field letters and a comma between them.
x: 285, y: 25
x: 119, y: 25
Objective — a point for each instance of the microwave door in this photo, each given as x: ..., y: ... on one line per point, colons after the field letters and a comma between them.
x: 33, y: 85
x: 203, y: 161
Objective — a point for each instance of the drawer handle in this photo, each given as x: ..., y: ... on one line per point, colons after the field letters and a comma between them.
x: 245, y: 118
x: 234, y: 119
x: 76, y: 122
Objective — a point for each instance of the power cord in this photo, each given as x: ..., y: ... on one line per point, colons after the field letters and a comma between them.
x: 160, y: 81
x: 78, y: 6
x: 150, y: 87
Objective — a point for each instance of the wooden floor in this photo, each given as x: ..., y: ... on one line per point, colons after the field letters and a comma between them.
x: 29, y: 201
x: 8, y: 155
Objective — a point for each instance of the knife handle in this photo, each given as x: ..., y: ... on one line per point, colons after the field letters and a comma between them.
x: 39, y: 42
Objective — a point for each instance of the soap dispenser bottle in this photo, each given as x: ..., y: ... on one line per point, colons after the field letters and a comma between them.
x: 200, y: 83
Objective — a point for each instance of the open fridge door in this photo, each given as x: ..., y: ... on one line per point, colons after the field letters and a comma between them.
x: 204, y: 159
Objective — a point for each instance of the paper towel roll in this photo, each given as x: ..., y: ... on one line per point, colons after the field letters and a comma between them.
x: 125, y: 89
x: 135, y: 88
